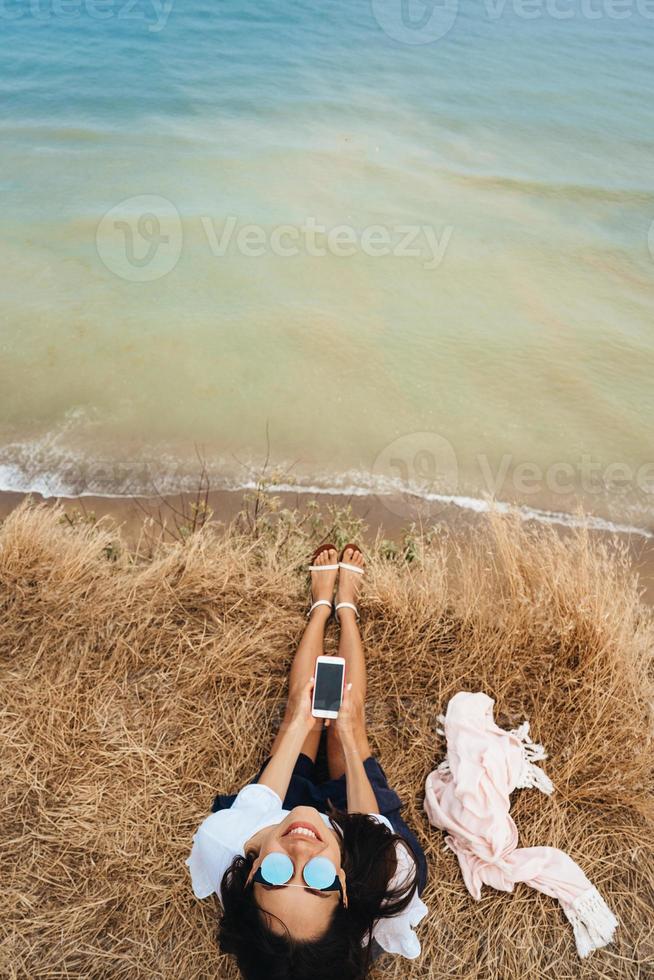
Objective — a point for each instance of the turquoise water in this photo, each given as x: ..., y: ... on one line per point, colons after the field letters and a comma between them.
x: 482, y: 322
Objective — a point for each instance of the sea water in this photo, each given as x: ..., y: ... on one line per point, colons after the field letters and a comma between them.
x: 384, y: 245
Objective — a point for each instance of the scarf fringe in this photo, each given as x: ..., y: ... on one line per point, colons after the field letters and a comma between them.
x: 592, y: 921
x: 532, y: 776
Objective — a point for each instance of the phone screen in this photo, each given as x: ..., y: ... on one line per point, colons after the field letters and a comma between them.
x: 329, y: 683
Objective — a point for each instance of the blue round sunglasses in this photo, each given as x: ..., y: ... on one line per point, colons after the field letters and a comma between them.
x: 278, y: 869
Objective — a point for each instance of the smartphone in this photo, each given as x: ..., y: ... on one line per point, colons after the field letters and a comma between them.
x: 328, y: 687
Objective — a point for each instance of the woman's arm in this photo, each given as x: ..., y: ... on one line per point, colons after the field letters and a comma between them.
x: 360, y: 795
x: 278, y: 772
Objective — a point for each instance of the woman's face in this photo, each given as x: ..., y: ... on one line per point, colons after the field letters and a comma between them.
x: 303, y: 835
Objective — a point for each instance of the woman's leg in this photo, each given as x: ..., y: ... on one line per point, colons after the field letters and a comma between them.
x: 350, y: 648
x: 311, y: 647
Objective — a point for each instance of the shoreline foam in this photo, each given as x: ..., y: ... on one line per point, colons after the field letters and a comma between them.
x: 379, y: 489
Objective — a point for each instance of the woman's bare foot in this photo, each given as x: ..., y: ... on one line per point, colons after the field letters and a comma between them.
x: 349, y: 582
x: 322, y: 583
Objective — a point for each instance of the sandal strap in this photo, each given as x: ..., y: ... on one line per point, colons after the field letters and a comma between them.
x: 351, y: 568
x: 319, y: 602
x: 321, y: 568
x: 346, y: 605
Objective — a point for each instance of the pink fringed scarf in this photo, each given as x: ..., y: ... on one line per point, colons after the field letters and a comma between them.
x: 468, y: 796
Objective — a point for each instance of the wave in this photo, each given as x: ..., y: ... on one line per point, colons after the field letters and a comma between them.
x: 69, y: 481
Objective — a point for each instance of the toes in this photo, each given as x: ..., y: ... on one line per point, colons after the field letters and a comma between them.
x: 352, y: 556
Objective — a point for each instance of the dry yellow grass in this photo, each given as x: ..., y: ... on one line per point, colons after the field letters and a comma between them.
x: 135, y: 688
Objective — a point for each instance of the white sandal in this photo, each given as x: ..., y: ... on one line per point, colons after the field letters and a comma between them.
x: 321, y: 568
x: 319, y: 551
x: 319, y: 602
x: 348, y: 568
x: 345, y: 565
x: 345, y: 605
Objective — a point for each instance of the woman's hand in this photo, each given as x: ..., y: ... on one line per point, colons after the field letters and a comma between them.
x: 288, y: 744
x: 348, y: 716
x: 301, y: 717
x: 349, y: 726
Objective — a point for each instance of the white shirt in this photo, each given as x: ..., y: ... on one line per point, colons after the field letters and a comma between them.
x: 223, y: 835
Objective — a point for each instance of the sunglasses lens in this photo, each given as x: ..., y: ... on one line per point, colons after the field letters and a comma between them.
x: 276, y: 868
x: 319, y: 873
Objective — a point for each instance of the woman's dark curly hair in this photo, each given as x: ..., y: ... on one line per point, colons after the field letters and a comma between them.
x: 369, y: 860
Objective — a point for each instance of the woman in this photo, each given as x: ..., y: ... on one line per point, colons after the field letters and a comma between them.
x: 311, y: 887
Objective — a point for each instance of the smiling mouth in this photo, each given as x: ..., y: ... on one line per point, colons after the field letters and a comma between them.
x: 305, y: 830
